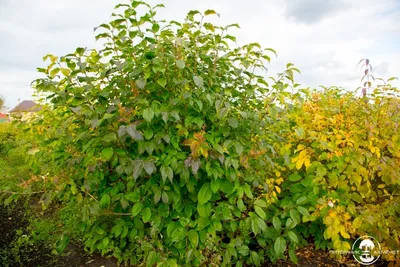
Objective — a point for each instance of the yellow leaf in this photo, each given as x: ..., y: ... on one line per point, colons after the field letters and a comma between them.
x: 336, y: 223
x: 378, y: 153
x: 381, y: 186
x: 307, y: 162
x: 328, y: 220
x: 358, y: 179
x: 66, y: 72
x: 345, y: 245
x: 330, y: 232
x: 343, y: 232
x: 300, y: 147
x: 278, y: 189
x: 299, y: 163
x: 357, y: 223
x: 204, y: 152
x: 303, y: 159
x: 53, y: 59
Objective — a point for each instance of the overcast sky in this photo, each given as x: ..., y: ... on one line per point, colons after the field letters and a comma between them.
x: 325, y: 39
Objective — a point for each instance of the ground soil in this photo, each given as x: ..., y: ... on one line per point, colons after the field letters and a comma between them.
x: 39, y: 255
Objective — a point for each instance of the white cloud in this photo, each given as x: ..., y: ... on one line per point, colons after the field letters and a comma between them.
x: 325, y: 43
x: 310, y: 11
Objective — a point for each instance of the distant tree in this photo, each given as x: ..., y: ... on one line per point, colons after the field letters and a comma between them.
x: 2, y: 103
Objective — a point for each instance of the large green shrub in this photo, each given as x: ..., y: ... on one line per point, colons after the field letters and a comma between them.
x: 157, y: 138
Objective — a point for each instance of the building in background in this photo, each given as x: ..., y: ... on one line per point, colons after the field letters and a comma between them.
x: 3, y: 118
x: 25, y: 106
x: 24, y: 110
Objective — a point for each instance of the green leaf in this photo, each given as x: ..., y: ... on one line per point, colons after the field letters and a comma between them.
x: 152, y: 258
x: 255, y: 258
x: 107, y: 153
x: 33, y: 151
x: 293, y: 237
x: 294, y: 214
x: 280, y: 246
x: 321, y: 171
x: 178, y: 234
x: 209, y: 12
x: 124, y: 203
x: 276, y: 222
x: 146, y: 215
x: 122, y: 131
x: 294, y: 177
x: 62, y: 243
x: 141, y: 83
x: 54, y: 72
x: 180, y: 63
x: 260, y: 212
x: 254, y: 226
x: 105, y: 242
x: 243, y: 250
x: 135, y: 134
x: 155, y: 27
x: 172, y: 263
x: 290, y: 223
x: 157, y: 197
x: 193, y: 238
x: 132, y: 196
x: 66, y: 72
x: 261, y: 224
x: 239, y: 149
x: 204, y: 210
x: 293, y: 256
x: 149, y: 167
x: 261, y: 203
x: 215, y: 185
x: 198, y: 81
x: 167, y: 172
x: 111, y: 137
x: 164, y: 197
x: 233, y: 123
x: 205, y: 193
x: 301, y: 200
x: 303, y: 211
x: 162, y: 82
x: 148, y: 114
x: 105, y: 200
x: 137, y: 168
x: 136, y: 209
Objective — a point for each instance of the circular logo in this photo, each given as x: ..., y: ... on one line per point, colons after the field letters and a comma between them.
x: 366, y: 250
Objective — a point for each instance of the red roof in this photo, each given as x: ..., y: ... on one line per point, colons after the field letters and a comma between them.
x: 3, y: 116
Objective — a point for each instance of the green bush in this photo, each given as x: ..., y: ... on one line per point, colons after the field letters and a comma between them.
x: 13, y: 159
x: 155, y: 138
x: 7, y: 137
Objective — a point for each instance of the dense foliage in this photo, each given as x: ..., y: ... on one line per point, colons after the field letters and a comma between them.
x: 176, y: 150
